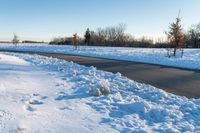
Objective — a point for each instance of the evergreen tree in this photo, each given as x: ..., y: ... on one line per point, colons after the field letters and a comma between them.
x: 176, y: 36
x: 87, y: 37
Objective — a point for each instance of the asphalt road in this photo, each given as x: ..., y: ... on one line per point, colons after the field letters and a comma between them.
x: 178, y: 81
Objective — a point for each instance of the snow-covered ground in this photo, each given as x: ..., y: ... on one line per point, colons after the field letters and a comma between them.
x: 191, y: 58
x: 40, y: 94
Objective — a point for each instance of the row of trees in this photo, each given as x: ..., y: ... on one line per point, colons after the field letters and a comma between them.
x: 116, y: 36
x: 108, y: 36
x: 193, y: 36
x: 176, y: 38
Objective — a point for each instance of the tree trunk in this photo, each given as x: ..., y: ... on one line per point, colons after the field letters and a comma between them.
x: 174, y: 51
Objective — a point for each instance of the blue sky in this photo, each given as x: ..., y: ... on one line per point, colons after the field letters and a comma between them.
x: 45, y: 19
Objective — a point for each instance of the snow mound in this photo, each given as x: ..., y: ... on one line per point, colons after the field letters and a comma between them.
x: 102, y: 87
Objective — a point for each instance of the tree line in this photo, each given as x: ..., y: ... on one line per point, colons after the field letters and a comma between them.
x: 116, y: 36
x: 193, y: 36
x: 108, y: 36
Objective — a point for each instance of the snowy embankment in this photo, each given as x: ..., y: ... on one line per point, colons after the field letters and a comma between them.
x: 191, y: 58
x: 39, y: 94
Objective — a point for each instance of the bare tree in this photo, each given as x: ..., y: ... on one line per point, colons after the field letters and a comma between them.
x: 113, y: 35
x: 101, y: 35
x: 75, y: 41
x: 120, y: 31
x: 15, y: 40
x: 176, y: 37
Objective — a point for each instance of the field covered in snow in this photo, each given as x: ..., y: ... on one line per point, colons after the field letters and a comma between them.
x: 191, y: 58
x: 40, y: 94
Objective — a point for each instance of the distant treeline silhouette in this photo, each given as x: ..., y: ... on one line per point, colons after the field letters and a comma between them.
x: 29, y: 41
x: 109, y: 36
x: 116, y: 36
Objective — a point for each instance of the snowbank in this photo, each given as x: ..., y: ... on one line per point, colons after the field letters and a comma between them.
x: 191, y: 58
x: 130, y: 106
x: 11, y: 60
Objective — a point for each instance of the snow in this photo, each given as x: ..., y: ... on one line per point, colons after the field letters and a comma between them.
x: 40, y: 94
x: 28, y: 99
x: 190, y: 60
x: 11, y: 60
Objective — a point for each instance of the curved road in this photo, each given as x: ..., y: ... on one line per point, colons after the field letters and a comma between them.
x: 178, y: 81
